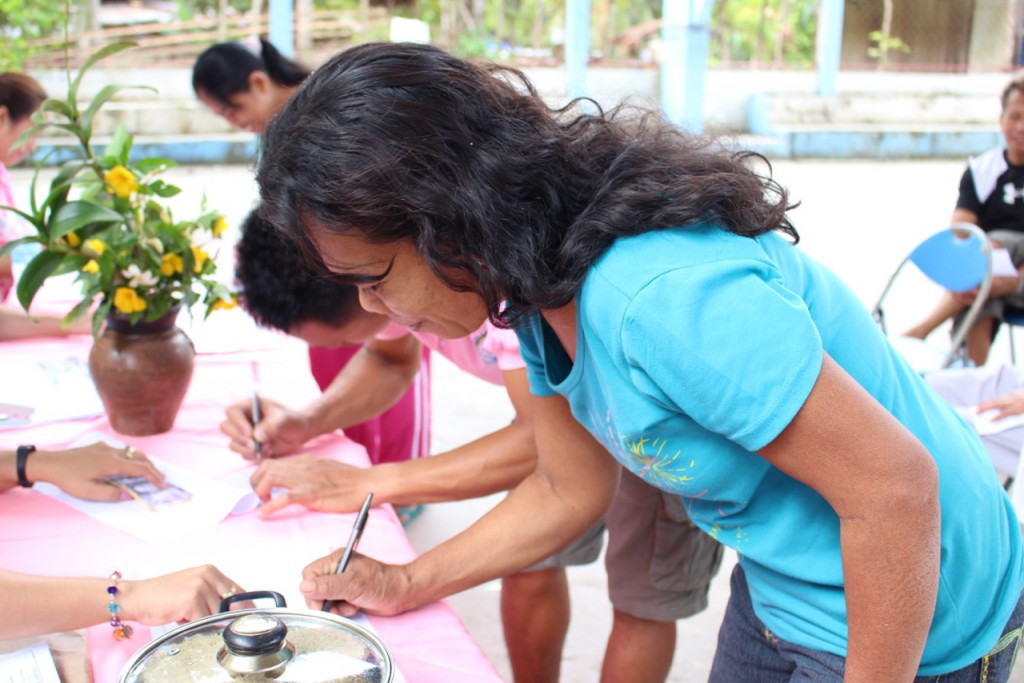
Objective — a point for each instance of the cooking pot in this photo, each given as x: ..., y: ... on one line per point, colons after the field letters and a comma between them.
x: 263, y: 644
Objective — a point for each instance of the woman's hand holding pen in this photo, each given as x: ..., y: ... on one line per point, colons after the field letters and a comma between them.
x: 280, y: 430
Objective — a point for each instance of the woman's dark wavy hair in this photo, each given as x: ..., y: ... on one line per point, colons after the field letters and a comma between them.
x: 223, y: 70
x: 500, y: 194
x: 279, y: 289
x: 21, y: 94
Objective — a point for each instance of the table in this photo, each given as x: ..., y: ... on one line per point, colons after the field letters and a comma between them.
x: 43, y: 536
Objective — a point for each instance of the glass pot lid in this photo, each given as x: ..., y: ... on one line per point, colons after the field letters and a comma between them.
x: 263, y: 644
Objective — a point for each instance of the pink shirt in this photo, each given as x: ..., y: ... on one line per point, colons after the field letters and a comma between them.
x: 486, y: 353
x: 8, y: 227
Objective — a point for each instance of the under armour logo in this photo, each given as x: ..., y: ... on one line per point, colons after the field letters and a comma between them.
x: 1011, y: 194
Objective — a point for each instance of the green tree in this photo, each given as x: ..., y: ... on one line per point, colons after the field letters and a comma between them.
x: 22, y: 21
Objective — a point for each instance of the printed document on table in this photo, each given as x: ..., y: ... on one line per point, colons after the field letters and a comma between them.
x: 211, y: 501
x: 32, y: 664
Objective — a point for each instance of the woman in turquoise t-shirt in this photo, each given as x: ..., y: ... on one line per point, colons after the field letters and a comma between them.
x: 666, y: 319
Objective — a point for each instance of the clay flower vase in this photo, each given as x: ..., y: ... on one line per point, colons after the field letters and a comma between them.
x: 142, y: 372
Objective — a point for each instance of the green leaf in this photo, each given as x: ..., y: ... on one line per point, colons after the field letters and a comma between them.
x: 101, y: 98
x: 72, y: 263
x: 151, y: 164
x: 120, y: 145
x: 77, y: 312
x: 162, y: 189
x: 14, y: 244
x: 27, y: 216
x: 59, y: 106
x: 78, y: 214
x: 35, y: 273
x: 103, y: 52
x: 99, y: 316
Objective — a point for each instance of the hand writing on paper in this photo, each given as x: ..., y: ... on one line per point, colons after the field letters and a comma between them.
x: 280, y: 431
x: 1007, y: 405
x: 368, y: 585
x: 316, y: 483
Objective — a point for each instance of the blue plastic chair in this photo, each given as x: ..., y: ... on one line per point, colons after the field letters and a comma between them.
x: 957, y: 258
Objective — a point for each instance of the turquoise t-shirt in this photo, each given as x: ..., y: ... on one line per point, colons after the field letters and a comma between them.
x: 695, y: 348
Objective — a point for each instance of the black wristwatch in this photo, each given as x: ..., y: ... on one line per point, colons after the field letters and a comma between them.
x: 23, y: 453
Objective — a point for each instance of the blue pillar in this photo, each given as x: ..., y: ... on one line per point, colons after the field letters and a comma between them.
x: 685, y: 36
x: 282, y: 26
x: 830, y: 45
x: 577, y: 47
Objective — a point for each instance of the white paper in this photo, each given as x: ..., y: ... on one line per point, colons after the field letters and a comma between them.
x: 985, y: 423
x: 211, y: 502
x: 56, y: 389
x: 32, y: 664
x: 1002, y: 265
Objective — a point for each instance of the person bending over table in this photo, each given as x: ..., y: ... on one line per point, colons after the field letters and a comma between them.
x: 534, y: 603
x: 246, y: 83
x: 34, y: 605
x: 665, y: 320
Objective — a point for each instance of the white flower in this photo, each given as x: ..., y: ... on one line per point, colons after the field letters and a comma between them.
x: 139, y: 278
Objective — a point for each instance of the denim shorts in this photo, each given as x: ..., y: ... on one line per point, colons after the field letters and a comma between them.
x: 748, y: 651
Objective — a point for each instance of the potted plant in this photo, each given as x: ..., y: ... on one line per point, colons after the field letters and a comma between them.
x: 105, y: 218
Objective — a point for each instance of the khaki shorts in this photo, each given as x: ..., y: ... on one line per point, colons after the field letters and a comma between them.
x: 659, y: 563
x: 584, y: 550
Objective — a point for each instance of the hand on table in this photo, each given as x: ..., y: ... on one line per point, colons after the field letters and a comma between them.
x: 1007, y: 405
x: 316, y: 483
x: 179, y: 597
x: 80, y: 472
x: 281, y: 431
x: 368, y: 585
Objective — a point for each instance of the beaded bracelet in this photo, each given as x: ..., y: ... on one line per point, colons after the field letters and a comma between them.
x: 121, y: 630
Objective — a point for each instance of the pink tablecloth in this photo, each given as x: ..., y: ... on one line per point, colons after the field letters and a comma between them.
x: 41, y: 535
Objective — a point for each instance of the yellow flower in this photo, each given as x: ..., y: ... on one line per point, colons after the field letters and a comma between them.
x: 199, y: 256
x: 219, y: 226
x: 95, y: 246
x: 225, y: 304
x: 91, y: 266
x: 171, y: 264
x: 127, y: 300
x: 73, y: 239
x: 121, y: 182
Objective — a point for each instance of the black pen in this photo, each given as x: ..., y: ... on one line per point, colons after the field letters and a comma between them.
x: 353, y: 541
x: 255, y: 421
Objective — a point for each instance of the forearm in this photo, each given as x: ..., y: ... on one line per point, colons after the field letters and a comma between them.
x: 891, y: 569
x: 532, y: 523
x: 16, y: 324
x: 495, y: 462
x: 33, y: 605
x: 366, y: 387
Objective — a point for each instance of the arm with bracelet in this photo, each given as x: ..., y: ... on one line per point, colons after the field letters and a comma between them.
x: 80, y: 472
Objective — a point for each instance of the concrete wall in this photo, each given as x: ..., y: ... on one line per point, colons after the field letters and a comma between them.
x: 871, y: 104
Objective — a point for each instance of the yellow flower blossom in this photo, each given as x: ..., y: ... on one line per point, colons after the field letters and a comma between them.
x: 171, y: 264
x: 219, y: 226
x: 127, y: 300
x: 95, y: 246
x: 73, y: 239
x: 121, y: 182
x: 225, y: 304
x: 200, y: 257
x: 91, y: 266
